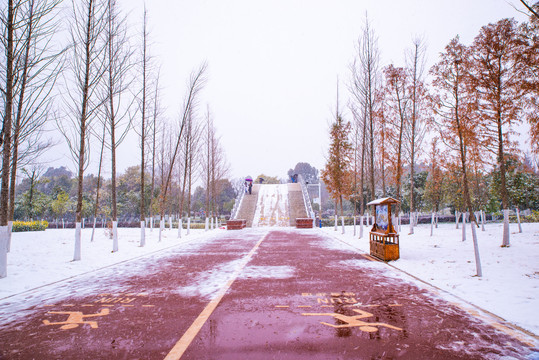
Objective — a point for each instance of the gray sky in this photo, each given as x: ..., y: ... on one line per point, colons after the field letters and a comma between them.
x: 273, y: 65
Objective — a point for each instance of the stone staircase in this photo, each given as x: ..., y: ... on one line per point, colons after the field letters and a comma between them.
x: 248, y: 206
x: 296, y: 203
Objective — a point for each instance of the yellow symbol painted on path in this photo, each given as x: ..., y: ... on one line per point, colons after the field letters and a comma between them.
x: 75, y: 319
x: 353, y: 321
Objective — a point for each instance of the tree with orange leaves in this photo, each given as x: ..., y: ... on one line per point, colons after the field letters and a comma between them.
x: 454, y: 104
x: 497, y: 73
x: 337, y: 174
x: 530, y: 55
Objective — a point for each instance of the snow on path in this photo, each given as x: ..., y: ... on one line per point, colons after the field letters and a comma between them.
x: 272, y: 206
x: 509, y: 287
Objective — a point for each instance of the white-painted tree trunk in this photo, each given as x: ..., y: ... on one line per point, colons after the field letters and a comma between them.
x: 180, y: 228
x: 432, y: 224
x: 361, y: 226
x: 93, y: 230
x: 518, y: 219
x: 400, y: 222
x: 10, y: 233
x: 457, y: 215
x: 142, y: 233
x: 463, y: 226
x: 354, y: 225
x: 3, y: 251
x: 63, y: 224
x: 150, y: 222
x: 342, y: 223
x: 188, y: 226
x: 436, y: 221
x: 77, y: 252
x: 114, y: 236
x: 161, y: 228
x: 411, y: 223
x: 83, y: 222
x: 336, y: 222
x: 478, y: 269
x: 506, y: 241
x: 212, y: 224
x: 206, y: 224
x: 170, y: 222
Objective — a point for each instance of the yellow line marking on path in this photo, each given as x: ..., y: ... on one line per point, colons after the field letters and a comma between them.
x: 188, y: 337
x: 86, y: 305
x: 282, y: 306
x: 68, y: 305
x: 328, y: 306
x: 128, y: 305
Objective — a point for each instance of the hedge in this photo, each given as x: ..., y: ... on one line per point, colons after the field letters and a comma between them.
x: 19, y: 226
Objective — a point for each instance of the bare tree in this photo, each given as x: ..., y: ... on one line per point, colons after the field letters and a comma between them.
x: 38, y: 66
x: 196, y: 83
x: 86, y: 65
x: 118, y: 107
x: 364, y: 86
x: 415, y: 131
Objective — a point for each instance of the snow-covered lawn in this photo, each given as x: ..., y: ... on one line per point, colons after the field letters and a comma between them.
x: 509, y: 286
x: 38, y: 258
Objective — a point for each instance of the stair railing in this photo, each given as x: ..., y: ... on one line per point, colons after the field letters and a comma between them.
x: 237, y: 205
x: 306, y: 197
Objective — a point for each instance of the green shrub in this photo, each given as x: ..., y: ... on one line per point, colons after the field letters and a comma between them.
x: 19, y: 226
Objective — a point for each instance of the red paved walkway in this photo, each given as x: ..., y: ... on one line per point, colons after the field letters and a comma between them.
x: 250, y: 294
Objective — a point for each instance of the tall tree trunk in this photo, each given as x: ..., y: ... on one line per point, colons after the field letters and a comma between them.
x: 7, y: 123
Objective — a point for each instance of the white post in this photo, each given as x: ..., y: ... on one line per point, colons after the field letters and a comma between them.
x: 505, y: 242
x: 114, y: 236
x: 335, y: 222
x: 342, y: 223
x: 476, y: 251
x: 432, y: 224
x: 3, y: 251
x: 360, y: 226
x: 518, y: 219
x: 483, y: 220
x: 354, y: 225
x: 188, y: 225
x: 10, y: 232
x: 463, y: 226
x: 142, y: 233
x: 77, y: 253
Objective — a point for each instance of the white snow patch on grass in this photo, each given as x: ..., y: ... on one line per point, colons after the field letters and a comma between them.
x: 509, y: 287
x: 44, y: 257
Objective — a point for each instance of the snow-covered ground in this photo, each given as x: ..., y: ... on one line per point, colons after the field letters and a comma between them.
x: 38, y: 258
x: 272, y: 206
x: 509, y: 286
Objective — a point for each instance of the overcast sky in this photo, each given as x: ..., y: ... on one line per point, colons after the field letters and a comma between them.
x: 273, y: 65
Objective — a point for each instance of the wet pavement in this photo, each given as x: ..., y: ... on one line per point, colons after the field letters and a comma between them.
x: 249, y: 294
